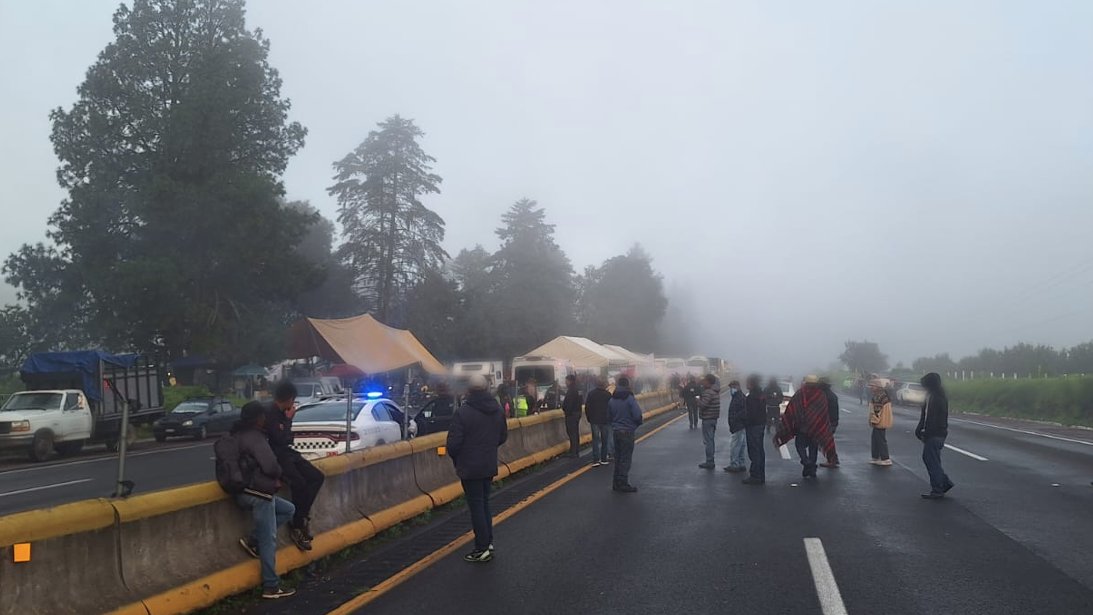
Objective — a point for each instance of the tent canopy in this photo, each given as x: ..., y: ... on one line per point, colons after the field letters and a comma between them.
x: 360, y: 341
x: 581, y: 351
x: 636, y: 358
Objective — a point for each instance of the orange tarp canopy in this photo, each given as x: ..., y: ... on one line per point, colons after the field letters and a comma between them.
x: 360, y: 341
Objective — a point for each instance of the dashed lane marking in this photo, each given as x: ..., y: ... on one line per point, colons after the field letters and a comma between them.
x: 1025, y: 431
x: 831, y: 601
x: 846, y: 411
x: 964, y: 452
x: 42, y: 487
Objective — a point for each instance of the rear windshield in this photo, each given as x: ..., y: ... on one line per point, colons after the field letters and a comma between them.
x: 330, y: 411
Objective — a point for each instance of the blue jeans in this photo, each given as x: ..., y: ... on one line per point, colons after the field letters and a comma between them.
x: 737, y: 446
x: 601, y: 442
x: 624, y: 455
x: 931, y: 456
x: 756, y: 453
x: 709, y: 429
x: 268, y: 516
x: 478, y: 501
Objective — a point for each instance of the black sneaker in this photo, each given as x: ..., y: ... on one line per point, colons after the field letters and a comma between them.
x: 306, y: 529
x: 734, y: 469
x: 478, y: 557
x: 250, y: 546
x: 626, y: 488
x: 299, y: 539
x: 933, y: 495
x: 948, y: 487
x: 753, y: 481
x: 278, y: 592
x: 706, y: 466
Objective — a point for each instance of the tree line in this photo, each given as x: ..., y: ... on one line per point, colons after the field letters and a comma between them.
x: 175, y: 236
x: 1022, y: 359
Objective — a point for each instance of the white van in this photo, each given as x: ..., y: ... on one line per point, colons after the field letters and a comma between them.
x: 492, y: 371
x: 545, y: 371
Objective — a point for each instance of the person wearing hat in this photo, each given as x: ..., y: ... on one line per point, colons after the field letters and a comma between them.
x: 806, y: 419
x: 478, y: 429
x: 880, y: 419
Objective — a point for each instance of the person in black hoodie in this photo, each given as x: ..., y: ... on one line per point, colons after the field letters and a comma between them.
x: 932, y: 429
x: 691, y: 394
x: 571, y: 406
x: 595, y: 410
x: 833, y: 416
x: 478, y: 429
x: 304, y: 480
x: 755, y: 421
x: 737, y: 414
x: 270, y: 512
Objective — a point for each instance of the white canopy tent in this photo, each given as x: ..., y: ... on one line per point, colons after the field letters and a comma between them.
x: 582, y: 352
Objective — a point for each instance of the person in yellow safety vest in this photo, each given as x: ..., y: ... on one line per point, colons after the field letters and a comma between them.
x: 521, y: 405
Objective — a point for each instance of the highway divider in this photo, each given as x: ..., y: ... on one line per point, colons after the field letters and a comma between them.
x: 175, y: 551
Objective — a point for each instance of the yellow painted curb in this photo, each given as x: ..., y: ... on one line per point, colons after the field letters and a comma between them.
x: 85, y: 516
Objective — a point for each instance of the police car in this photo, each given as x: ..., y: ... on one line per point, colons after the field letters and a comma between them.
x: 319, y: 429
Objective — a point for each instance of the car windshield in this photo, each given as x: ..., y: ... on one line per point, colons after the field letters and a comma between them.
x: 542, y: 374
x: 326, y: 412
x: 33, y: 401
x: 915, y: 387
x: 307, y: 389
x: 787, y: 387
x: 191, y: 407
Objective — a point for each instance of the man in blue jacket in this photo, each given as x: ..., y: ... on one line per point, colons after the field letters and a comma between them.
x: 477, y: 430
x: 625, y: 416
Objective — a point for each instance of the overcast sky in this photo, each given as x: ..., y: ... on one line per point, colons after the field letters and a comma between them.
x: 919, y: 175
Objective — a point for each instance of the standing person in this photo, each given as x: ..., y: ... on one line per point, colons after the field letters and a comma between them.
x: 755, y: 420
x: 709, y: 410
x: 880, y: 419
x: 674, y: 386
x: 595, y: 410
x: 259, y: 495
x: 932, y: 429
x: 832, y: 416
x: 863, y: 391
x: 504, y: 399
x: 806, y: 420
x: 478, y: 429
x: 775, y: 397
x: 304, y: 480
x: 571, y: 406
x: 530, y: 398
x: 625, y: 418
x: 737, y: 422
x: 691, y: 393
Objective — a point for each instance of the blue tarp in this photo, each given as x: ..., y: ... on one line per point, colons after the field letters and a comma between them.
x: 82, y: 362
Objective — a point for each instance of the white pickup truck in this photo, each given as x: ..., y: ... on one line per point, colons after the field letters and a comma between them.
x: 41, y: 422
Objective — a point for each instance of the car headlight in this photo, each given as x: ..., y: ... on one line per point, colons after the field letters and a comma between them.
x: 20, y: 426
x: 187, y: 423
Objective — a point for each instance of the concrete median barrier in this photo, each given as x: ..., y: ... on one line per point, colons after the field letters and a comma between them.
x: 514, y: 453
x: 386, y: 486
x: 433, y: 471
x: 74, y: 566
x: 544, y: 434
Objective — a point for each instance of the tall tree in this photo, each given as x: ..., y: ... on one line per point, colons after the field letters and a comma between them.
x: 433, y: 312
x: 392, y: 239
x: 172, y: 235
x: 864, y: 357
x: 477, y: 325
x: 332, y: 295
x: 622, y: 302
x: 534, y: 281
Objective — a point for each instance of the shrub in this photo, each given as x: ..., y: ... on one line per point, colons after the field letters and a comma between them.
x: 1064, y: 400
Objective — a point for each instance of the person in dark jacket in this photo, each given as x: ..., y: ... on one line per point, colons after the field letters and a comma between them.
x: 709, y: 411
x: 932, y: 429
x: 775, y: 397
x: 755, y: 420
x: 304, y: 480
x: 833, y: 418
x: 260, y: 496
x: 595, y: 410
x: 737, y: 413
x: 625, y: 414
x: 571, y: 406
x: 478, y: 429
x: 691, y: 394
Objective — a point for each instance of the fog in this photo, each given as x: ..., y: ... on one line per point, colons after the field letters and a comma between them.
x: 807, y: 173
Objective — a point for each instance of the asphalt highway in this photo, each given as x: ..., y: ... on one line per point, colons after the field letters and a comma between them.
x: 1015, y: 535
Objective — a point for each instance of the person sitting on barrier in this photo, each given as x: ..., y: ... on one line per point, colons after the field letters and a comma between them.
x: 304, y: 480
x: 477, y: 430
x: 261, y: 480
x: 625, y: 416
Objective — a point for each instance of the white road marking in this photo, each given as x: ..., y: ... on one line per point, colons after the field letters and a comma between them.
x: 831, y: 601
x: 964, y: 452
x: 846, y: 411
x: 784, y: 451
x: 1025, y: 431
x: 30, y: 489
x: 112, y: 457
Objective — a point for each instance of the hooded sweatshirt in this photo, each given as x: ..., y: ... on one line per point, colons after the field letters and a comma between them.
x: 807, y: 414
x: 265, y: 472
x: 624, y: 410
x: 709, y: 405
x: 478, y: 428
x: 737, y: 411
x: 595, y: 406
x: 934, y: 420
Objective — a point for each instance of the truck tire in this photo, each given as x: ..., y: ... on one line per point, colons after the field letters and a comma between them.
x: 161, y: 438
x: 69, y: 448
x: 42, y: 446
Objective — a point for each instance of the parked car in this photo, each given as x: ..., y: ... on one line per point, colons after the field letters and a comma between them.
x: 311, y: 391
x: 319, y: 429
x: 435, y: 416
x: 197, y: 418
x: 910, y: 394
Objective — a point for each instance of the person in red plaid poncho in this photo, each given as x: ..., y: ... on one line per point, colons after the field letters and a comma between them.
x: 807, y: 417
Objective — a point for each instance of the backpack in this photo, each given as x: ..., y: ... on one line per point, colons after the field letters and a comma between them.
x: 231, y: 468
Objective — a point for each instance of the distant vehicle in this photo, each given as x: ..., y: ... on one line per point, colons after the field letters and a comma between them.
x: 545, y: 371
x: 319, y: 428
x: 196, y: 418
x: 311, y: 391
x: 699, y: 366
x: 78, y: 397
x: 788, y: 391
x: 435, y: 416
x: 911, y: 394
x: 332, y: 385
x: 675, y: 366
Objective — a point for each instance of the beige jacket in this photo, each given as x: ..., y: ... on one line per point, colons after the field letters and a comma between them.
x: 880, y: 417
